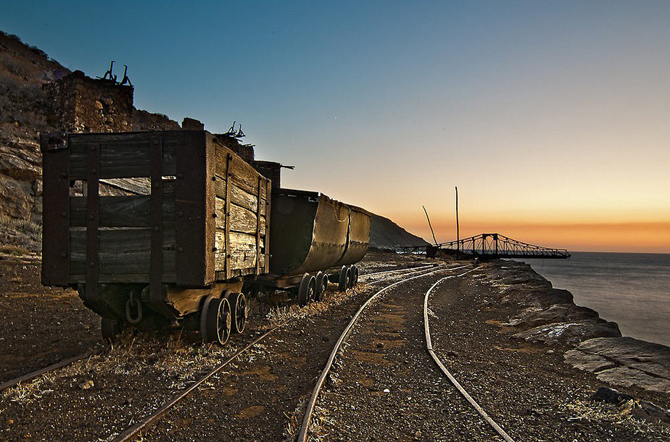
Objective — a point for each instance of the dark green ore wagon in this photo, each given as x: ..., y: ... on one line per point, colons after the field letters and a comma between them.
x: 157, y: 228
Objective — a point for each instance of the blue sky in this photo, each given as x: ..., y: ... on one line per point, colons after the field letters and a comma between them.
x: 546, y: 114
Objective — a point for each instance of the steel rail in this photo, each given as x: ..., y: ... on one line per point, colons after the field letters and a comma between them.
x: 452, y: 379
x: 304, y: 429
x: 47, y: 369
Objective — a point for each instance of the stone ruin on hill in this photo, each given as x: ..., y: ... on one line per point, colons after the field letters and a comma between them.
x: 82, y: 104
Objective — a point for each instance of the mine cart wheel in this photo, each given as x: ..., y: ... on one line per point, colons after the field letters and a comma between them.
x: 354, y: 275
x: 203, y: 316
x: 218, y: 321
x: 110, y: 329
x: 306, y: 289
x: 239, y: 311
x: 343, y: 281
x: 321, y: 286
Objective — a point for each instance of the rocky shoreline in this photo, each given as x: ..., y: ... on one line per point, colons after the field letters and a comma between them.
x: 549, y: 316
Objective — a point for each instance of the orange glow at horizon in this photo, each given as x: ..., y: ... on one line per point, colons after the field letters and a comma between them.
x: 642, y: 237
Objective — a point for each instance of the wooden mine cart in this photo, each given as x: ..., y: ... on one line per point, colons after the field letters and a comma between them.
x: 154, y: 227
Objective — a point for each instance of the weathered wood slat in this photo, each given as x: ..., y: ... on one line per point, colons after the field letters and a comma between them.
x: 244, y: 221
x: 137, y: 186
x: 241, y: 219
x: 242, y: 250
x: 115, y: 154
x: 220, y: 186
x: 220, y: 211
x: 220, y: 252
x: 121, y: 252
x: 122, y: 211
x: 126, y: 278
x: 243, y: 174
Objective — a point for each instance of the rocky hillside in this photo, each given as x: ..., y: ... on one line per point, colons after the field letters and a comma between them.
x: 385, y: 234
x: 26, y: 109
x: 23, y: 71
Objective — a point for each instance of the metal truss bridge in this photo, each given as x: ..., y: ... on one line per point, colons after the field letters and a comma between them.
x: 489, y: 246
x: 495, y: 245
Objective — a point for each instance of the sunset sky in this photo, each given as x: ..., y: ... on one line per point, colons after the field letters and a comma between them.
x: 551, y: 117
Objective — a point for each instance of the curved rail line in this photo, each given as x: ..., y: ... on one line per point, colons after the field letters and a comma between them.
x: 304, y: 429
x: 149, y: 420
x: 418, y: 271
x: 406, y: 269
x: 452, y: 379
x: 47, y: 369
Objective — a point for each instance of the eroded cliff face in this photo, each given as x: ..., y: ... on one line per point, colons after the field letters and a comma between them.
x: 38, y: 94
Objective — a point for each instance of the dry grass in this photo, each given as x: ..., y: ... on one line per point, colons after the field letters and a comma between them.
x: 278, y: 315
x: 176, y: 361
x: 34, y: 390
x: 591, y: 411
x: 19, y: 236
x: 294, y: 420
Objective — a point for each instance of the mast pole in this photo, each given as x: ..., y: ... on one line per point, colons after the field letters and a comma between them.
x: 458, y: 230
x: 429, y: 225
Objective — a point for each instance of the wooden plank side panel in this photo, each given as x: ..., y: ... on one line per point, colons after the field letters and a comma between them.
x: 122, y: 211
x: 124, y: 155
x: 122, y: 252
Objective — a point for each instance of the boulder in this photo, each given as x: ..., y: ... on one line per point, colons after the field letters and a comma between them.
x: 536, y: 316
x: 624, y: 362
x: 570, y: 333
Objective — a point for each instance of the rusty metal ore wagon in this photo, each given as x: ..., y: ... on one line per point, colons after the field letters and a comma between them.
x: 158, y: 228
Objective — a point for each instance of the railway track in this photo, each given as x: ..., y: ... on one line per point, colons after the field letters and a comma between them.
x: 148, y: 420
x: 360, y: 351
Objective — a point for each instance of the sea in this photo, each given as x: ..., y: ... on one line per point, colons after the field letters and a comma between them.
x: 631, y: 289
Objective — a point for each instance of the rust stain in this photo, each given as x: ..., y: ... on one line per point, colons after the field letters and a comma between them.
x: 370, y: 357
x: 365, y: 381
x: 229, y: 391
x: 263, y: 373
x: 250, y: 412
x: 390, y: 343
x: 503, y: 328
x: 524, y: 348
x: 299, y: 361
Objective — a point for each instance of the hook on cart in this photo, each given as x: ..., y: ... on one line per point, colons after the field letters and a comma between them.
x: 133, y: 304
